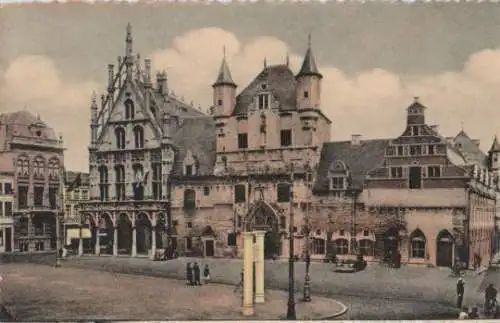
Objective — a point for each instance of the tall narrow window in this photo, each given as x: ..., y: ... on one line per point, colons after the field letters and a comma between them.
x: 431, y: 150
x: 263, y: 101
x: 337, y: 183
x: 129, y: 109
x: 396, y: 172
x: 8, y: 209
x: 120, y: 182
x: 120, y: 138
x: 415, y: 150
x: 139, y: 137
x: 139, y: 182
x: 239, y: 193
x: 189, y: 199
x: 242, y: 141
x: 433, y: 171
x: 400, y: 151
x: 157, y: 187
x: 38, y: 195
x: 286, y: 138
x: 189, y: 170
x: 53, y: 197
x: 103, y: 183
x: 22, y: 197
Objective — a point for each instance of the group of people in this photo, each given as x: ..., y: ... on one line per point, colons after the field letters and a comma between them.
x: 491, y: 307
x: 193, y: 274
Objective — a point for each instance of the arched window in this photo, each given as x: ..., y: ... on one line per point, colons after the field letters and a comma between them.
x: 139, y: 137
x: 140, y: 180
x: 54, y: 168
x: 156, y: 181
x: 189, y: 199
x: 417, y: 244
x: 120, y: 138
x: 39, y: 167
x: 129, y: 109
x: 366, y: 247
x: 120, y: 182
x: 341, y: 246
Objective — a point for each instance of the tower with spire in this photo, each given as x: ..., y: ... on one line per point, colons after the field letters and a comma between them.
x: 494, y: 157
x: 224, y: 91
x: 309, y: 82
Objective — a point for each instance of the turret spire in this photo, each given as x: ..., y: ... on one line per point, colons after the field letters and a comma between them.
x: 495, y: 147
x: 309, y: 64
x: 129, y: 59
x: 224, y: 77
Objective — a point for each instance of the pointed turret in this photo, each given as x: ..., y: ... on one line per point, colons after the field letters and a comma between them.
x: 494, y: 157
x: 93, y: 120
x: 309, y: 67
x: 495, y: 147
x: 224, y: 77
x: 129, y: 58
x: 224, y: 90
x: 309, y: 82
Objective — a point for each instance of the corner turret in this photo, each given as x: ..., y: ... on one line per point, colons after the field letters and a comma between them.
x: 224, y: 91
x: 494, y: 157
x: 309, y: 82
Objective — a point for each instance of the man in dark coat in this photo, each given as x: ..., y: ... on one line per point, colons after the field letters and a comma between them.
x: 460, y: 292
x: 189, y: 274
x: 197, y: 274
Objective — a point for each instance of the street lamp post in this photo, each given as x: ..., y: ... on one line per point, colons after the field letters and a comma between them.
x: 290, y: 314
x: 354, y: 193
x: 59, y: 212
x: 307, y: 280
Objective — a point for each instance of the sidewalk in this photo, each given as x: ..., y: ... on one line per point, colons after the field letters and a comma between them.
x: 40, y: 293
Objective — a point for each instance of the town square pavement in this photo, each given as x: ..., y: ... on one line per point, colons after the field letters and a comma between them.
x: 42, y: 293
x: 378, y: 292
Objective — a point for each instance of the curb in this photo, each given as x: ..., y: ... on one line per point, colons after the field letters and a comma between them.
x: 339, y: 313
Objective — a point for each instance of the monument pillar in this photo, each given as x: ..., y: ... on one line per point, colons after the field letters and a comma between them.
x: 80, y: 243
x: 153, y: 243
x: 248, y: 308
x: 97, y: 242
x: 134, y: 241
x: 259, y: 266
x: 115, y: 241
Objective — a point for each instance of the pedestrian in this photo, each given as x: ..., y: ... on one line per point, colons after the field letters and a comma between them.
x: 477, y: 262
x: 490, y: 295
x: 206, y: 274
x: 197, y: 280
x: 463, y: 315
x: 474, y: 313
x: 460, y: 292
x: 189, y: 274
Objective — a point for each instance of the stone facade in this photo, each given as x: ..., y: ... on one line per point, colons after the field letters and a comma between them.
x: 31, y: 149
x: 263, y: 154
x: 76, y: 191
x: 6, y: 208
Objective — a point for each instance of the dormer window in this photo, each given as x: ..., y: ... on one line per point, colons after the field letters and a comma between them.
x: 263, y: 101
x: 337, y: 183
x: 189, y: 165
x: 415, y: 130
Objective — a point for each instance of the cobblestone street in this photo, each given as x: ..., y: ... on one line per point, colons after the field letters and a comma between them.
x: 377, y: 293
x: 46, y: 293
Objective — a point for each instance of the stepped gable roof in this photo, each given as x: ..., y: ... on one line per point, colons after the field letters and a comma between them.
x: 20, y: 123
x: 196, y: 134
x: 279, y: 80
x: 359, y: 160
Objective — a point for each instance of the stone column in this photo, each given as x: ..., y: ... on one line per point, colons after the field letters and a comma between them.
x: 80, y: 243
x: 153, y: 242
x: 97, y: 242
x: 248, y: 309
x: 115, y: 241
x: 134, y: 241
x: 259, y: 267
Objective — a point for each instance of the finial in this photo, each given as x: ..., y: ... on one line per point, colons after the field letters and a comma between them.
x: 287, y: 59
x: 462, y: 125
x: 129, y: 29
x: 265, y: 62
x: 416, y: 99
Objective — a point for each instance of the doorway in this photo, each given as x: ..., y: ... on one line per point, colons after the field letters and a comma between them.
x: 209, y: 248
x: 415, y: 178
x: 8, y: 239
x: 272, y: 246
x: 444, y: 250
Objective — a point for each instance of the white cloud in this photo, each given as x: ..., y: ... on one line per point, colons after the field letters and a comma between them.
x: 371, y: 103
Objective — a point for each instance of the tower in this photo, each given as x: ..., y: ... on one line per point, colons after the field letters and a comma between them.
x: 224, y: 91
x: 494, y: 157
x: 309, y: 82
x: 415, y: 113
x: 93, y: 122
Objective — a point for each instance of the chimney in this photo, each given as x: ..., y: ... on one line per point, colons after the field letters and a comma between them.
x: 356, y: 140
x: 477, y: 142
x: 161, y: 82
x: 435, y: 128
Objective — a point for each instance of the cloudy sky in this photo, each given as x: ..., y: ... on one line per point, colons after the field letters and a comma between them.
x: 374, y: 57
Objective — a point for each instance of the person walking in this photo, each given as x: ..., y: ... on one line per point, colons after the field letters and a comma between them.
x: 197, y: 280
x: 460, y: 292
x: 189, y: 274
x: 206, y: 274
x: 490, y: 295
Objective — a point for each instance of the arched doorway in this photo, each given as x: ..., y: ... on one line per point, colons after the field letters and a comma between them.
x: 124, y: 234
x: 444, y: 249
x: 263, y: 217
x: 161, y: 233
x: 143, y: 233
x: 391, y: 243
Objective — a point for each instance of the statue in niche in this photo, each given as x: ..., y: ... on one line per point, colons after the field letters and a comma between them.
x: 263, y: 123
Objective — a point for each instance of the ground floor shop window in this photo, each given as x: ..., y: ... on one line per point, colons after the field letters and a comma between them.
x: 366, y: 247
x: 318, y: 246
x: 342, y: 246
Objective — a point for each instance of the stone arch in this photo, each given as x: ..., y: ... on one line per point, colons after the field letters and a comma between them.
x: 124, y: 227
x: 22, y: 165
x: 444, y: 249
x: 417, y: 244
x: 143, y: 229
x: 263, y: 216
x: 39, y: 167
x: 106, y: 233
x: 391, y: 242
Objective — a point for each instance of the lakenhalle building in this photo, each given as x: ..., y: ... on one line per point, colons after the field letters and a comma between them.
x: 163, y: 172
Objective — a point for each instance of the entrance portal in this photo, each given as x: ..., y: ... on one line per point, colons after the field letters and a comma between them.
x: 391, y: 243
x: 263, y: 217
x: 444, y: 250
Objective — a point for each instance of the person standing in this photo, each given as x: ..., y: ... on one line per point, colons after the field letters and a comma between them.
x: 206, y: 274
x: 490, y: 295
x: 189, y: 274
x: 460, y: 292
x: 197, y: 280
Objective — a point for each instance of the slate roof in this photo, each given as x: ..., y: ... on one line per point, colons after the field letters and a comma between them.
x: 309, y: 65
x: 469, y: 149
x: 279, y: 80
x: 224, y: 77
x: 495, y: 147
x: 196, y: 134
x: 359, y: 160
x: 20, y: 121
